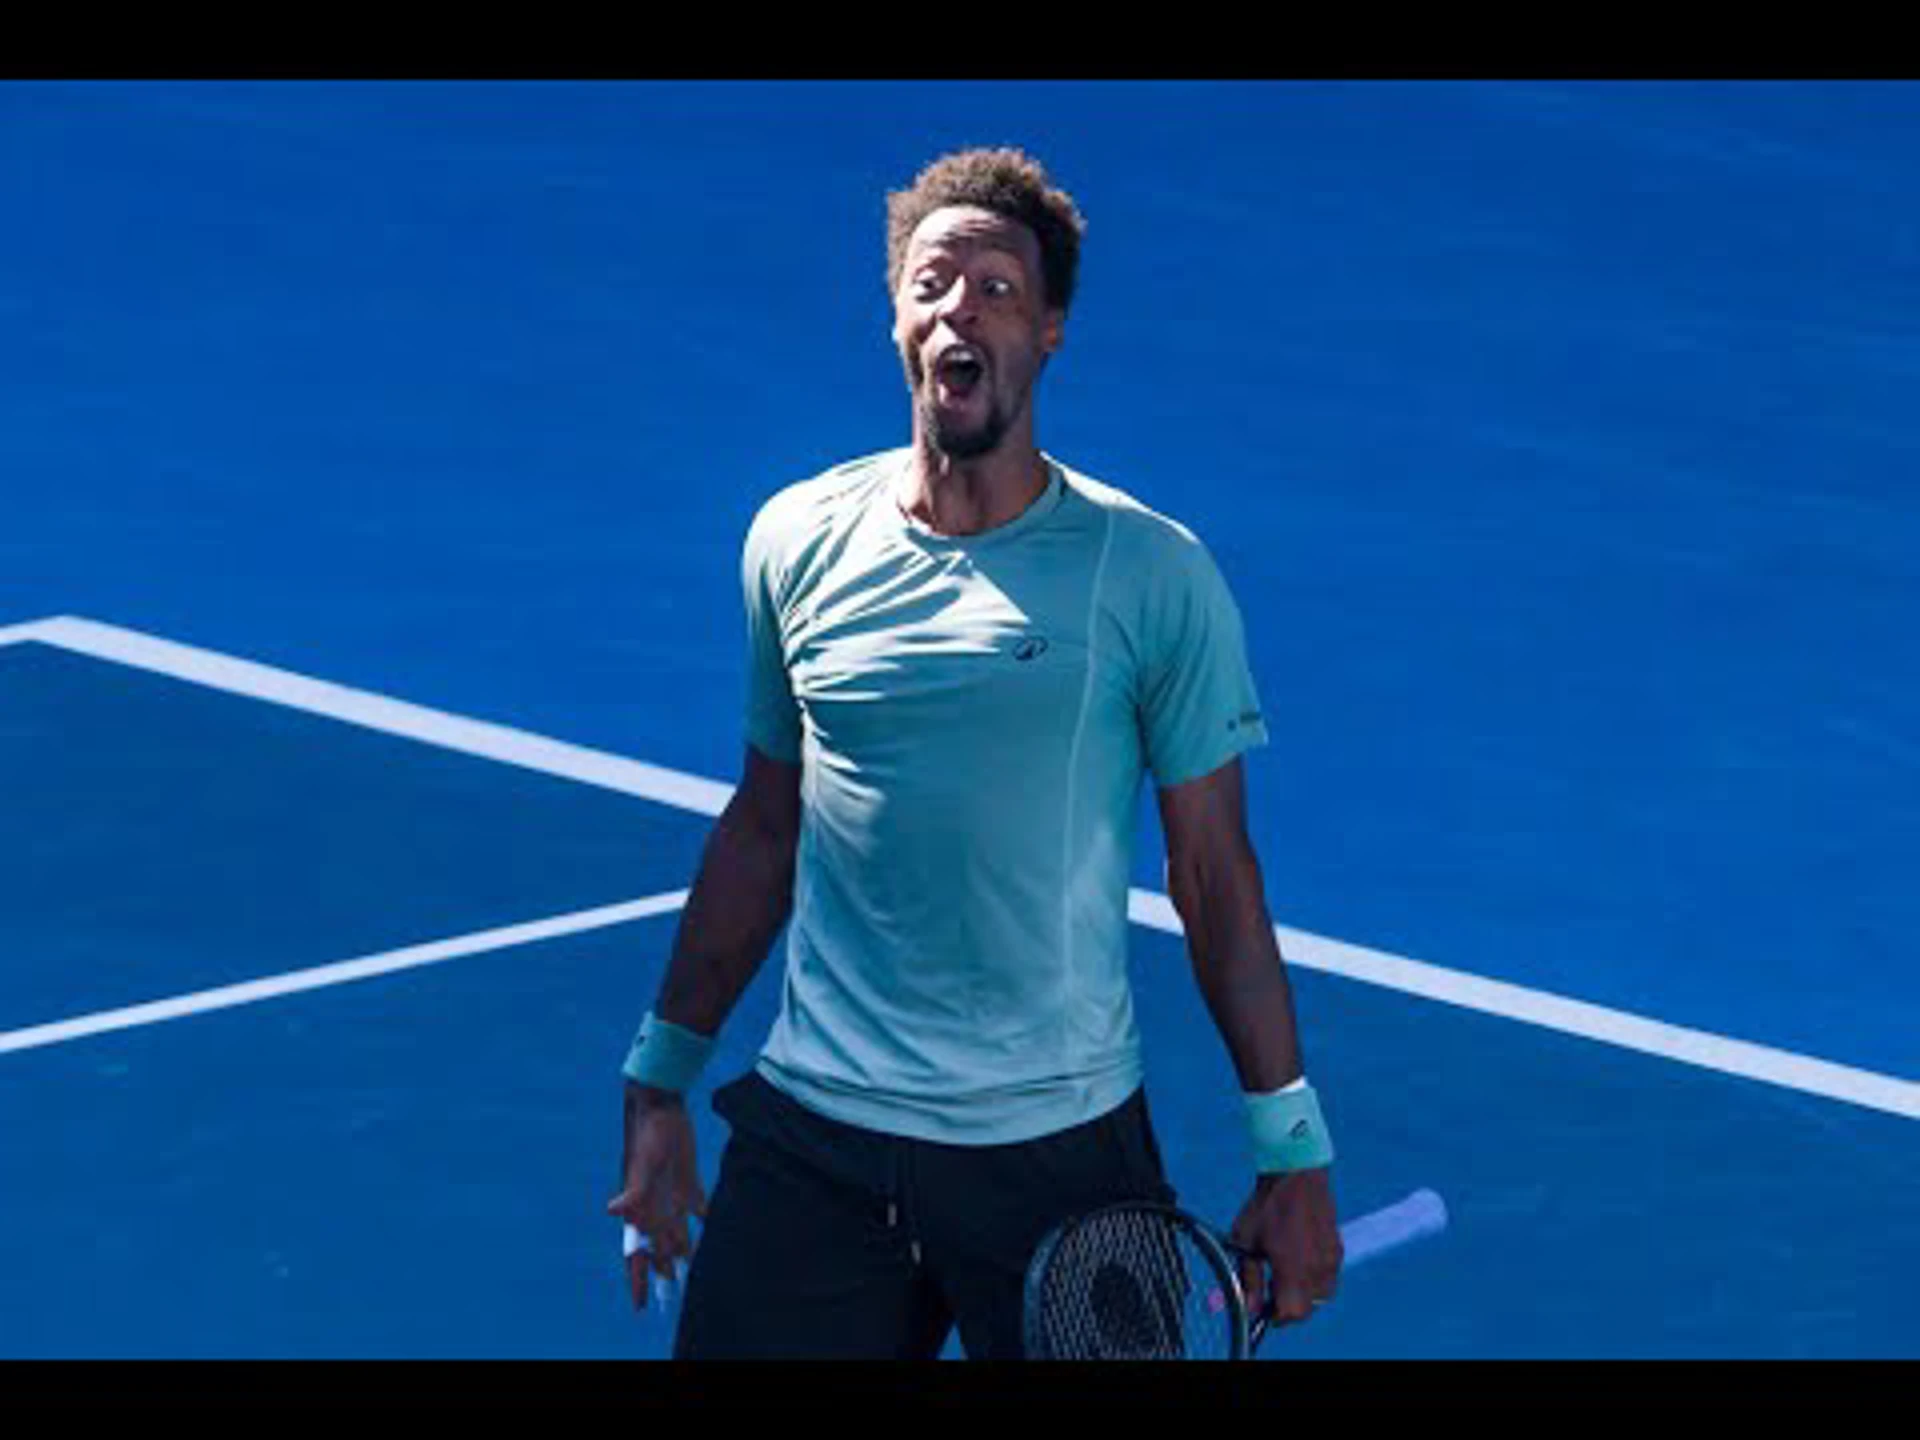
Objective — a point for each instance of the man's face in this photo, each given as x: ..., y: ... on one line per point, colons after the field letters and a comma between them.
x: 973, y: 327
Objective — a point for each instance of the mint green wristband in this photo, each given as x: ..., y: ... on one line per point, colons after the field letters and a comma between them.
x: 1288, y: 1131
x: 666, y: 1056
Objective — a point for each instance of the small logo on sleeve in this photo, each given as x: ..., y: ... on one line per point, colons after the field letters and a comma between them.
x: 1240, y: 722
x: 1031, y: 647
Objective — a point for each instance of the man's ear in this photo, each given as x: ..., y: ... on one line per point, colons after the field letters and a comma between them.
x: 1054, y: 335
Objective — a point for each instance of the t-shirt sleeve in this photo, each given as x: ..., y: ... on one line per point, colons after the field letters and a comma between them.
x: 772, y: 718
x: 1199, y: 707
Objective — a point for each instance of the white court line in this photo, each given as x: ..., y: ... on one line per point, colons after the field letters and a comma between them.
x: 319, y: 977
x: 378, y: 712
x: 1145, y: 907
x: 1572, y: 1017
x: 20, y: 634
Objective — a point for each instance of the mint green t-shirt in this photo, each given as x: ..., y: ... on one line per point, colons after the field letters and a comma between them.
x: 973, y: 716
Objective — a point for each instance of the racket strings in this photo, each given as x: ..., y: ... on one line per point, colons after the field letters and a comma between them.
x: 1134, y: 1286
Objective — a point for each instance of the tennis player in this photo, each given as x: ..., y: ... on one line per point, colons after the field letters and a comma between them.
x: 963, y: 657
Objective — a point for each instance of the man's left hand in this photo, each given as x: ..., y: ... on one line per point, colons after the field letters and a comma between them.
x: 1290, y: 1224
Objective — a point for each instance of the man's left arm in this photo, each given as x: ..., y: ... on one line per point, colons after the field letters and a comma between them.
x: 1213, y: 878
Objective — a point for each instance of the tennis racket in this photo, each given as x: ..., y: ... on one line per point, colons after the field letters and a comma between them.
x: 1138, y: 1281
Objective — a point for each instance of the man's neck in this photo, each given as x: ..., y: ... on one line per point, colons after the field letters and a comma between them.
x: 968, y: 497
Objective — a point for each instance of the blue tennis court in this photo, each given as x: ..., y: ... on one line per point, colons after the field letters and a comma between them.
x: 374, y: 460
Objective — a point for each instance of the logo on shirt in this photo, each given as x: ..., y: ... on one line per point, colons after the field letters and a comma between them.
x: 1252, y: 717
x: 1031, y: 647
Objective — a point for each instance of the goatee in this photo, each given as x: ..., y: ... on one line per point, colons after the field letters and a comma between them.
x: 958, y: 442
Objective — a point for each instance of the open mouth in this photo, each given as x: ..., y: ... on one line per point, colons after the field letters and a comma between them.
x: 959, y: 371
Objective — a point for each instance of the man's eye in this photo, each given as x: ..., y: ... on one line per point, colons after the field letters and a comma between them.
x: 996, y: 286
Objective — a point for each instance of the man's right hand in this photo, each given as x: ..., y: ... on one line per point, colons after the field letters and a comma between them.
x: 660, y: 1184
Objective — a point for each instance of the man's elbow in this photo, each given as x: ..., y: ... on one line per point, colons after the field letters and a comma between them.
x: 1210, y: 886
x: 765, y: 807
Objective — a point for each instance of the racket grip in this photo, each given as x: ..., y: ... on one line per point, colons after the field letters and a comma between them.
x: 1421, y: 1214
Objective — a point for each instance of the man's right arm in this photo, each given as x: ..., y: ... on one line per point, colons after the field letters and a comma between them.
x: 742, y: 896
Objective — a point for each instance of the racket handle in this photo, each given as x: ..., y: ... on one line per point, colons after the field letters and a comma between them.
x: 1421, y: 1214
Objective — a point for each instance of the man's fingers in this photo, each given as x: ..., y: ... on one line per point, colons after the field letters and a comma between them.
x: 1291, y: 1304
x: 647, y: 1209
x: 1253, y: 1284
x: 665, y: 1248
x: 678, y: 1235
x: 1297, y: 1296
x: 679, y: 1242
x: 649, y: 1271
x: 667, y: 1252
x: 634, y: 1204
x: 638, y: 1273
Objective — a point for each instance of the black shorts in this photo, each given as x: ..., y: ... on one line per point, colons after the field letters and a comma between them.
x: 831, y: 1242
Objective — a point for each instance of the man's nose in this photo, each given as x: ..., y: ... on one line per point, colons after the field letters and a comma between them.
x: 961, y: 304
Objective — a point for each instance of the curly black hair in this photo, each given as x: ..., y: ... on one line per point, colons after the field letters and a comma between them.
x: 1008, y: 182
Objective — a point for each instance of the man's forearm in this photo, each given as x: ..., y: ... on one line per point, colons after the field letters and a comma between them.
x: 1237, y: 963
x: 742, y: 895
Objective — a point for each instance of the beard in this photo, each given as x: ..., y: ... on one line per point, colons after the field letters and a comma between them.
x: 959, y: 439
